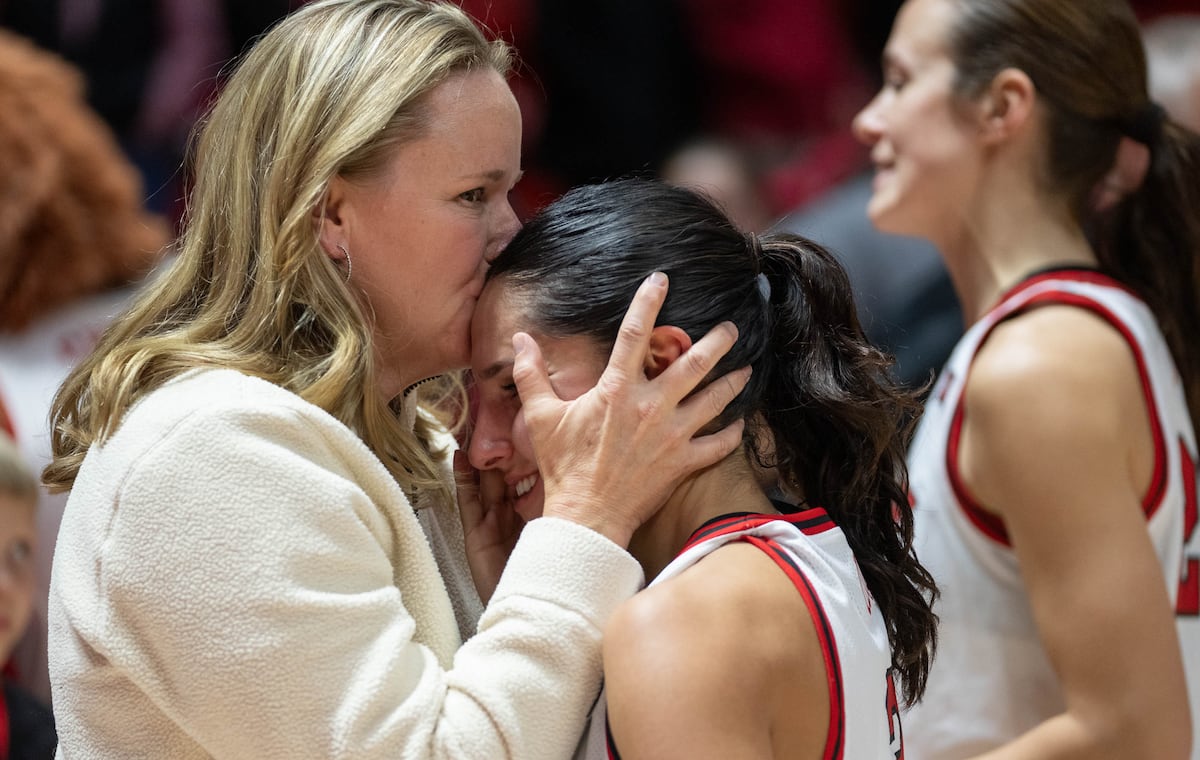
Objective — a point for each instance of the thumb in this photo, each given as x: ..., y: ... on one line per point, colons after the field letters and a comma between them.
x: 529, y: 372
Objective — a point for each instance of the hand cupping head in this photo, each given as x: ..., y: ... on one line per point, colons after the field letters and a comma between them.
x: 568, y: 277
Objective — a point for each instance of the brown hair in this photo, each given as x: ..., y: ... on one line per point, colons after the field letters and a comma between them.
x: 71, y: 216
x: 1094, y: 89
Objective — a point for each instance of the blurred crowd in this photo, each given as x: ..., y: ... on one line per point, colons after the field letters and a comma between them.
x: 766, y: 86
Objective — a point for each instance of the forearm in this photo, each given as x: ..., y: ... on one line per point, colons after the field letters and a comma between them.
x: 314, y: 606
x: 1069, y: 737
x: 339, y: 669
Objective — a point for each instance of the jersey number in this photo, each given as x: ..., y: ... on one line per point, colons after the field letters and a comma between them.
x: 895, y: 733
x: 1188, y: 602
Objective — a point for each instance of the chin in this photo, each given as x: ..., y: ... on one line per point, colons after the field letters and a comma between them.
x: 887, y: 218
x: 454, y: 356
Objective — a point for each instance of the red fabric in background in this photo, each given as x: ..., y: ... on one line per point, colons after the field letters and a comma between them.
x: 1148, y: 9
x: 779, y: 76
x: 776, y: 67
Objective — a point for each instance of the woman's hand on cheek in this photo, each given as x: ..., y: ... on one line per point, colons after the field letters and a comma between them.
x: 610, y: 458
x: 490, y: 525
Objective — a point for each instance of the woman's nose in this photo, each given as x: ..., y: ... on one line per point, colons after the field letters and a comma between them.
x: 867, y: 126
x: 507, y: 226
x: 491, y: 443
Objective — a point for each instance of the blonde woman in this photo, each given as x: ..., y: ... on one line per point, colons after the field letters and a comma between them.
x: 260, y: 556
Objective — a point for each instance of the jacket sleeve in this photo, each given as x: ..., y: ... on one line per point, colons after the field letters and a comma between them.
x: 250, y: 590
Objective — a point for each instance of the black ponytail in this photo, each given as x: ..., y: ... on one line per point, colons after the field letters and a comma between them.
x: 840, y: 426
x: 1151, y: 242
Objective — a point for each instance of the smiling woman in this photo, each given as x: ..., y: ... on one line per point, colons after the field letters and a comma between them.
x: 261, y: 519
x: 1019, y: 137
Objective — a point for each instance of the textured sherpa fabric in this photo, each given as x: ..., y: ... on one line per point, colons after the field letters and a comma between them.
x: 237, y: 576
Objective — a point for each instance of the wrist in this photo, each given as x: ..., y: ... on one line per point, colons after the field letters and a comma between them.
x: 592, y: 516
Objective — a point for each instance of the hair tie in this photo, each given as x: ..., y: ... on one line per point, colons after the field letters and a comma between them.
x: 755, y: 250
x: 1146, y: 126
x: 764, y: 287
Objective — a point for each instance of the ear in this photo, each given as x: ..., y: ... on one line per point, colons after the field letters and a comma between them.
x: 667, y: 343
x: 329, y: 220
x: 1007, y: 107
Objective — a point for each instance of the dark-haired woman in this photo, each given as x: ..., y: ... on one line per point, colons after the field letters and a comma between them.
x: 1053, y: 474
x: 770, y: 629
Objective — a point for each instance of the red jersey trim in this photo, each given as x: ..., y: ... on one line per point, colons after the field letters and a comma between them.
x: 1087, y: 276
x: 5, y: 733
x: 835, y: 739
x: 6, y: 426
x: 810, y: 522
x: 608, y: 740
x: 989, y: 523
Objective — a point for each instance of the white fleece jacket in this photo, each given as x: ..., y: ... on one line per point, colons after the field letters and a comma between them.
x: 237, y: 576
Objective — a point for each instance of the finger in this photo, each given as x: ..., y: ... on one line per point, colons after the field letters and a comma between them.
x: 707, y: 450
x: 633, y: 337
x: 679, y: 379
x: 710, y: 401
x: 492, y: 489
x: 529, y: 372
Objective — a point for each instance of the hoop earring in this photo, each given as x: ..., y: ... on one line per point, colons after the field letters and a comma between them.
x: 349, y: 261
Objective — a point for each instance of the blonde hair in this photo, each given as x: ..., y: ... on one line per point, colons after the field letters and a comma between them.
x: 329, y: 91
x: 16, y: 480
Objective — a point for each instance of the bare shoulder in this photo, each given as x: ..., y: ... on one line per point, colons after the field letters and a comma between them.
x: 1053, y: 365
x: 1054, y: 395
x: 1053, y: 352
x: 735, y: 594
x: 728, y: 644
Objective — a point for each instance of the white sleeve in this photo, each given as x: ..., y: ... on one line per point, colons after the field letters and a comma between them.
x: 249, y: 593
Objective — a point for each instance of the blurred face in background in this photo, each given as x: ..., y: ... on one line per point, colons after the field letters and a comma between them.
x: 17, y: 540
x: 922, y: 144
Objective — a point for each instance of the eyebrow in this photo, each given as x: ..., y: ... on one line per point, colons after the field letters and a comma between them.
x: 494, y: 175
x: 494, y: 369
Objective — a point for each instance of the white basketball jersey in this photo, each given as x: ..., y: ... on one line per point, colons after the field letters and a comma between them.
x: 812, y: 551
x: 991, y: 679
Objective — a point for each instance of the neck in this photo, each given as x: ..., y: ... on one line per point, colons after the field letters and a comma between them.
x: 729, y: 486
x: 1008, y: 231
